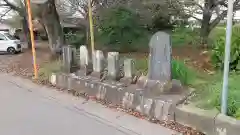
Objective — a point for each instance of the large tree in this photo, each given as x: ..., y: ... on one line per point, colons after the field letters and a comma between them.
x: 50, y: 19
x: 208, y: 12
x: 47, y: 12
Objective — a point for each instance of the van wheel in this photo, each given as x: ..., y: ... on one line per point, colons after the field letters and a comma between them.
x: 11, y: 50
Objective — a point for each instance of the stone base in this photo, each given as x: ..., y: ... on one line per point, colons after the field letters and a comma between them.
x: 157, y: 88
x: 130, y: 97
x: 97, y: 75
x: 126, y: 81
x: 84, y: 70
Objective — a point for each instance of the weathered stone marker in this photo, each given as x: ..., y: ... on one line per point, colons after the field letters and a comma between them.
x: 98, y: 65
x: 159, y: 67
x: 99, y: 61
x: 85, y: 65
x: 129, y: 72
x: 67, y: 59
x: 74, y: 56
x: 84, y: 56
x: 129, y: 68
x: 113, y: 65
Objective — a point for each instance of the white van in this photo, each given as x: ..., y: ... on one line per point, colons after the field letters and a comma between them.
x: 9, y: 44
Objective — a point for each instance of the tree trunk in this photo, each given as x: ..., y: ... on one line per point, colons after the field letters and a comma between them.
x: 26, y: 32
x: 51, y: 21
x: 205, y: 28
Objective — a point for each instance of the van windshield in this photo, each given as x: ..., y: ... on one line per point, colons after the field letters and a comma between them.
x: 9, y: 36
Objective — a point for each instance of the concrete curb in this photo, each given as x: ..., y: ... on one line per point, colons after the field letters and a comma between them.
x: 226, y: 125
x: 210, y: 122
x: 199, y: 119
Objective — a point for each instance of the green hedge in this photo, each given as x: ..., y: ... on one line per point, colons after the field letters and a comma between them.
x: 120, y: 30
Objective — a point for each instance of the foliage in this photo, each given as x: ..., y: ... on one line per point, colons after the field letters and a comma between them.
x: 48, y: 68
x: 75, y: 39
x: 184, y: 36
x: 165, y: 17
x: 216, y: 33
x: 180, y: 71
x: 211, y: 94
x: 119, y: 29
x: 219, y: 50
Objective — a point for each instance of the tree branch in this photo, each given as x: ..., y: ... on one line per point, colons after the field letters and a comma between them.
x: 12, y: 6
x: 1, y: 17
x: 196, y: 18
x: 3, y: 5
x: 218, y: 19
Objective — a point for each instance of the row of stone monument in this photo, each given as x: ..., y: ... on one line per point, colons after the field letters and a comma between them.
x: 116, y: 81
x: 159, y: 67
x: 111, y: 68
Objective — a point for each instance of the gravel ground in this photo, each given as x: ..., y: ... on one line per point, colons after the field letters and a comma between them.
x: 21, y: 65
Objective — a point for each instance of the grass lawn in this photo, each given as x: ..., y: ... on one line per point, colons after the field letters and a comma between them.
x: 209, y: 93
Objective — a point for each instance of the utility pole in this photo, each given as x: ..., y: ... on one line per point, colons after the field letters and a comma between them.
x: 227, y: 57
x: 30, y: 24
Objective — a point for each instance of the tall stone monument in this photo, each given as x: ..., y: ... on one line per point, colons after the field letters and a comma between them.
x: 159, y: 66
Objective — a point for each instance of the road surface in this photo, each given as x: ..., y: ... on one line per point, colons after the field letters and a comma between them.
x: 30, y: 109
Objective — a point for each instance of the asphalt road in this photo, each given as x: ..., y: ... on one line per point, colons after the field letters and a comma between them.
x: 29, y: 109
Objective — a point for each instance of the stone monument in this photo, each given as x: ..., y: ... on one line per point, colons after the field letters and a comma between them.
x: 85, y: 65
x: 67, y: 59
x: 159, y: 66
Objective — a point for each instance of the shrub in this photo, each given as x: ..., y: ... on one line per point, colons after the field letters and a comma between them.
x: 181, y: 72
x: 48, y: 68
x: 219, y: 50
x: 120, y: 30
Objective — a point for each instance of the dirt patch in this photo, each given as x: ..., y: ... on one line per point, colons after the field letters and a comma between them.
x: 22, y: 64
x: 194, y: 57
